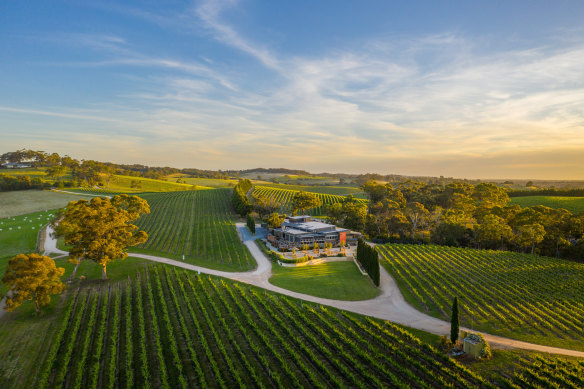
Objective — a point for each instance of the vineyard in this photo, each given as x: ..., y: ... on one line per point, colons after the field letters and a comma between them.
x: 535, y: 299
x: 167, y: 328
x: 285, y: 197
x: 326, y: 189
x: 198, y: 225
x: 572, y: 204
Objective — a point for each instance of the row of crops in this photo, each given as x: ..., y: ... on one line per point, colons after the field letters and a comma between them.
x: 198, y: 225
x: 284, y: 196
x: 169, y: 328
x: 333, y: 190
x: 537, y: 299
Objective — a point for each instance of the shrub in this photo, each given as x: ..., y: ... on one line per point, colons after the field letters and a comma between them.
x: 445, y: 344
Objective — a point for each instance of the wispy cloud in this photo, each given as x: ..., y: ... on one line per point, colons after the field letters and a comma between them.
x: 415, y: 104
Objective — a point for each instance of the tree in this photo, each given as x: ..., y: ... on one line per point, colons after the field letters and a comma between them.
x: 454, y: 322
x: 417, y: 215
x: 251, y: 224
x: 265, y: 205
x: 102, y: 229
x: 56, y: 171
x: 493, y: 229
x: 32, y: 277
x: 275, y: 220
x: 530, y: 235
x: 305, y: 200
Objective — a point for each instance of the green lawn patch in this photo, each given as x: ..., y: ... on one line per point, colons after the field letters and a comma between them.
x: 332, y: 280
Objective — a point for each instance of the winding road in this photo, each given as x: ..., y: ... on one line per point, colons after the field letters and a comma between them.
x: 389, y: 305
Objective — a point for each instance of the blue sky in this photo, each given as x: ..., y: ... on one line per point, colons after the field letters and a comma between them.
x: 455, y: 88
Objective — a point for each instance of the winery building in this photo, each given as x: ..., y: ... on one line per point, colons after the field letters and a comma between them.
x: 297, y: 231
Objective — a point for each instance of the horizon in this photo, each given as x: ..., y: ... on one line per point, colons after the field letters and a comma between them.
x: 470, y: 91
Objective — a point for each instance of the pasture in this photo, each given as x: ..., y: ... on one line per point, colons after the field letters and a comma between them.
x: 169, y: 328
x: 572, y: 204
x: 520, y: 296
x: 197, y: 224
x: 333, y: 280
x: 285, y: 197
x: 327, y: 189
x: 141, y: 184
x: 26, y: 201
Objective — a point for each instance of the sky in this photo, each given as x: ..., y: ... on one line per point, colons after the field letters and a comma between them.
x: 473, y: 89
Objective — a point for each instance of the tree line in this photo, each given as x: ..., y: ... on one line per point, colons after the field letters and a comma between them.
x: 89, y: 172
x: 369, y: 260
x: 460, y: 214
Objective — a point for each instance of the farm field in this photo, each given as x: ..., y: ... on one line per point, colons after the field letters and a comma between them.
x: 572, y: 204
x: 202, y: 331
x: 197, y: 224
x: 208, y: 182
x: 333, y: 190
x: 333, y: 280
x: 124, y: 183
x: 285, y: 197
x: 534, y: 299
x: 26, y: 201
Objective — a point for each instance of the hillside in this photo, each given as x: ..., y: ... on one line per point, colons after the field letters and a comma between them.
x: 521, y: 296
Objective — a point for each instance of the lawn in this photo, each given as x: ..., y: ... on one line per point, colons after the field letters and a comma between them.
x: 572, y: 204
x: 333, y: 280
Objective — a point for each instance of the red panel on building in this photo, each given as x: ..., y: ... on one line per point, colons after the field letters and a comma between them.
x: 343, y: 237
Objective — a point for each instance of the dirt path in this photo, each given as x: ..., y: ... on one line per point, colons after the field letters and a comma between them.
x: 389, y: 305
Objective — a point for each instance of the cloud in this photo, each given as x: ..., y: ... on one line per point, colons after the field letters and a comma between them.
x: 436, y: 104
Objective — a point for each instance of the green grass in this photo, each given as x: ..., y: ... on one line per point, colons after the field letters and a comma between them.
x: 207, y: 182
x: 198, y: 330
x: 124, y: 183
x: 332, y: 280
x: 534, y: 299
x: 26, y: 201
x: 197, y: 224
x: 572, y: 204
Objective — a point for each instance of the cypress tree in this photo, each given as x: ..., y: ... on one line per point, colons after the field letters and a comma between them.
x: 251, y: 223
x: 454, y: 323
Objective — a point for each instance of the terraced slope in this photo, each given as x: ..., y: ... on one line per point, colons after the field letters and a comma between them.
x: 198, y: 225
x: 520, y: 296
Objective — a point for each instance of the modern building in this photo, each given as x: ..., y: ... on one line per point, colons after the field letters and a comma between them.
x: 297, y: 231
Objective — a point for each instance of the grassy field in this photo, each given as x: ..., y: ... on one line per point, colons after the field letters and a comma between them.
x: 332, y: 190
x: 209, y: 182
x: 170, y: 328
x: 197, y: 224
x: 19, y: 235
x: 27, y: 201
x: 285, y: 197
x: 124, y: 183
x: 535, y: 299
x: 572, y: 204
x: 333, y: 280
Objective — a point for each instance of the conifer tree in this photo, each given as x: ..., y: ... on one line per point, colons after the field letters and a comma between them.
x: 251, y: 224
x: 454, y: 322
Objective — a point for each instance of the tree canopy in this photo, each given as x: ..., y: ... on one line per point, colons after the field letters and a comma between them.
x: 101, y: 229
x: 32, y: 277
x: 303, y: 201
